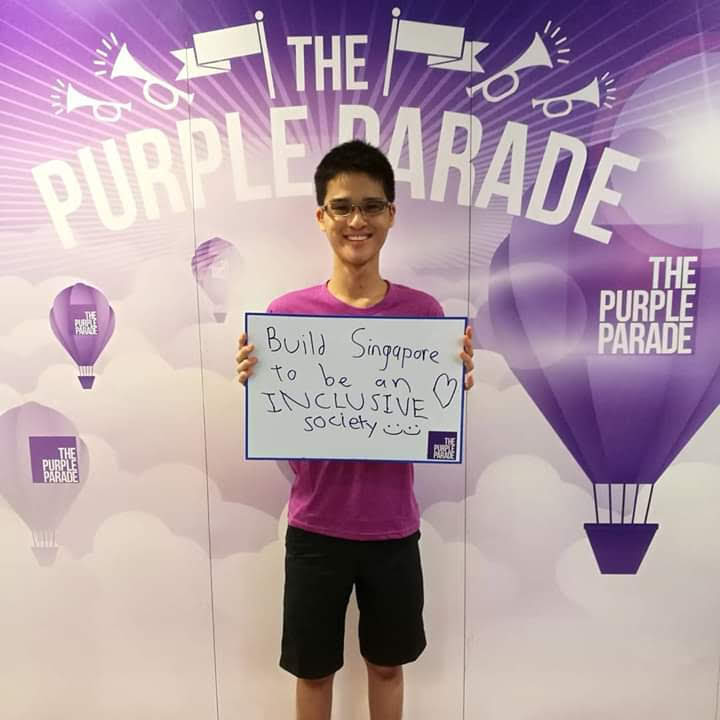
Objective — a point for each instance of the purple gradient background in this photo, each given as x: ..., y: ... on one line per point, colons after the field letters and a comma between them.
x: 444, y: 247
x: 46, y: 40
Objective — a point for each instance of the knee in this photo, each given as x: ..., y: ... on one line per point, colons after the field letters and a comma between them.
x: 316, y: 683
x: 387, y: 673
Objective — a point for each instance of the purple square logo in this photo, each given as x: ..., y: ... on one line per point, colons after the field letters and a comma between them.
x: 83, y: 320
x: 54, y: 460
x: 442, y: 445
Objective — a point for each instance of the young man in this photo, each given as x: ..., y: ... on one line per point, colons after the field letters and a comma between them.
x: 353, y: 524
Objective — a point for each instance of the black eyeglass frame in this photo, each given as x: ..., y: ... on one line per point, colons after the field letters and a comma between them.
x: 333, y: 213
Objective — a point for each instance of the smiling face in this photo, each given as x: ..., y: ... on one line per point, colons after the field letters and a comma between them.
x: 355, y: 239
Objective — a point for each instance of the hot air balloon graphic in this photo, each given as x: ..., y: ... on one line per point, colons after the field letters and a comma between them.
x: 213, y: 265
x: 623, y: 412
x: 83, y: 322
x: 44, y: 469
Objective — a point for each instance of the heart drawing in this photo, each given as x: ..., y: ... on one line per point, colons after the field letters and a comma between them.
x: 444, y: 389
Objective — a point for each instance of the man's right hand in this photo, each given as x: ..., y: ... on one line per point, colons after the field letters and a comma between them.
x: 244, y: 359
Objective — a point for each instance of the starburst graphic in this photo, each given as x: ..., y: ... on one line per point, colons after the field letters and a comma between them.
x: 55, y: 98
x: 109, y: 43
x: 556, y: 48
x: 608, y: 81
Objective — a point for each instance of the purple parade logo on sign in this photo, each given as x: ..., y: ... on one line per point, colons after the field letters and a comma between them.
x: 44, y: 468
x: 442, y: 445
x: 54, y: 460
x: 213, y: 265
x: 616, y: 341
x: 83, y: 322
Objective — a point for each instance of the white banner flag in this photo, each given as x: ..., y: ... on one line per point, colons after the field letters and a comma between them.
x: 444, y: 45
x: 213, y: 50
x: 430, y: 38
x: 227, y: 43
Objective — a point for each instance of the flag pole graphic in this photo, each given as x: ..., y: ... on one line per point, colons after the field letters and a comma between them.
x: 266, y: 56
x: 391, y: 50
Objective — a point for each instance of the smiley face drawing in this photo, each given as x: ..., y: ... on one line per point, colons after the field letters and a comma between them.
x: 395, y: 429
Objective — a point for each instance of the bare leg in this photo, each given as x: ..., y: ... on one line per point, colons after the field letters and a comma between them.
x: 313, y: 698
x: 385, y: 692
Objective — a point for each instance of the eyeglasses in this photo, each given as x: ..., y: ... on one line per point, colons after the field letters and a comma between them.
x: 345, y: 208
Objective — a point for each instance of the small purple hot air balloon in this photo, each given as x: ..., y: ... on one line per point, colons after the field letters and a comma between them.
x: 44, y: 469
x: 624, y: 410
x: 213, y: 264
x: 83, y: 322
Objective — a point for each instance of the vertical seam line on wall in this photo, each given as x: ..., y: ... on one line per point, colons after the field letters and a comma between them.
x: 701, y: 40
x: 204, y: 415
x: 467, y: 413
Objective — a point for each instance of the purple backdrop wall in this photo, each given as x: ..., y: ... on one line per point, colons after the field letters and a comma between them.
x: 557, y: 170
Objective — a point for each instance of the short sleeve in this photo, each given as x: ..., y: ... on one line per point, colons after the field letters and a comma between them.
x: 435, y: 309
x: 276, y: 306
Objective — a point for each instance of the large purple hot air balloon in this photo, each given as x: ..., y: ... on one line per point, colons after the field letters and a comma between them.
x: 624, y: 372
x: 44, y: 468
x: 213, y: 264
x: 83, y: 322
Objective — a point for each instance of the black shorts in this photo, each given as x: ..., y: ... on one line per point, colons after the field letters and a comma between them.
x: 320, y: 572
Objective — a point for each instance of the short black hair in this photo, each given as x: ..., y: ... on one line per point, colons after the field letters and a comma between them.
x: 354, y: 156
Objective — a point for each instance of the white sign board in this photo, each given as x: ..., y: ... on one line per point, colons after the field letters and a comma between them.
x: 355, y: 388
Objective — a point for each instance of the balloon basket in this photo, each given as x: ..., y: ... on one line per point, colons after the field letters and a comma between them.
x: 45, y: 556
x: 220, y: 316
x: 86, y: 381
x: 620, y: 548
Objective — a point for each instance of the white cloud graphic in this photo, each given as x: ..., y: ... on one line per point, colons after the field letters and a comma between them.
x: 652, y: 638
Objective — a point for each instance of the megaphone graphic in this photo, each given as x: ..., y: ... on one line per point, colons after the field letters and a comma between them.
x: 74, y: 99
x: 127, y: 66
x: 590, y: 93
x: 536, y: 55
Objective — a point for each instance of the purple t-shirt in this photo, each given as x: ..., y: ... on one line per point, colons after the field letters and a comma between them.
x: 353, y: 499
